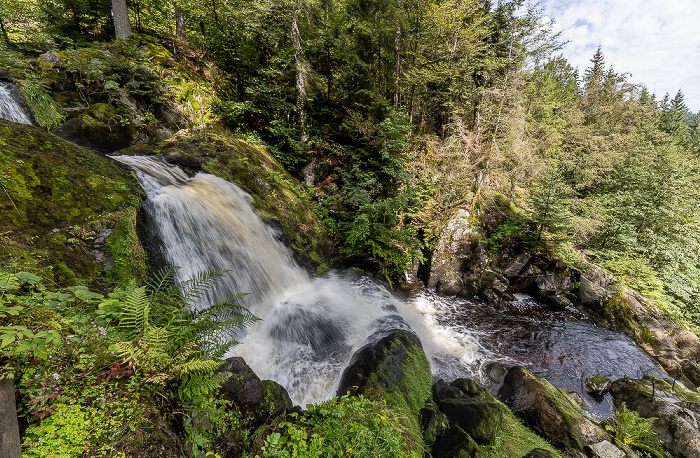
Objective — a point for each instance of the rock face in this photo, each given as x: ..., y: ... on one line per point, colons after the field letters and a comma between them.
x: 263, y: 399
x: 548, y: 411
x: 471, y: 407
x: 455, y: 246
x: 98, y: 128
x: 393, y: 366
x: 676, y: 411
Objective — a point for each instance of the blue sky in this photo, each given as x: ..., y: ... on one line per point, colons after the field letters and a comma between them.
x: 656, y: 41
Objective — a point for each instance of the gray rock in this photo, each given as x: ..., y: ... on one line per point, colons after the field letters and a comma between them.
x: 598, y: 386
x: 453, y: 248
x: 51, y: 57
x: 590, y: 293
x: 516, y: 265
x: 605, y: 449
x: 494, y: 281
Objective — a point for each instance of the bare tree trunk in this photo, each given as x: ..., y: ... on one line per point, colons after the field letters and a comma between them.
x: 120, y: 13
x: 180, y: 35
x: 397, y: 48
x: 301, y: 73
x: 10, y: 445
x: 4, y: 33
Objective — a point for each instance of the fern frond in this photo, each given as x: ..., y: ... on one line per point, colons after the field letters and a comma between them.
x: 136, y: 311
x: 163, y: 281
x: 197, y: 286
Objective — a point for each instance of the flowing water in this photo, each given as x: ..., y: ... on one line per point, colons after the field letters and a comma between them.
x: 312, y: 326
x: 10, y: 108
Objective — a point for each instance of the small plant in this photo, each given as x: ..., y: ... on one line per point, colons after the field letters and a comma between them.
x: 631, y: 429
x: 346, y: 426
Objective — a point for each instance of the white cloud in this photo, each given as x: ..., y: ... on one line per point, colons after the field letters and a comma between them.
x: 657, y: 41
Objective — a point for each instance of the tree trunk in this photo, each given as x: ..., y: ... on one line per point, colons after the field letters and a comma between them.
x: 301, y: 73
x: 120, y: 14
x: 10, y: 445
x: 4, y: 33
x: 180, y: 35
x: 397, y: 48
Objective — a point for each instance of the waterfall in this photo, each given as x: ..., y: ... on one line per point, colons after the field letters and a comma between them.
x: 310, y: 328
x: 10, y: 108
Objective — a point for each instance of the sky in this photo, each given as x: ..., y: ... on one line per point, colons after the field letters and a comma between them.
x: 656, y: 41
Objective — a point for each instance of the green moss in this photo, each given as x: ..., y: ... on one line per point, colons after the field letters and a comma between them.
x: 48, y: 184
x: 63, y: 275
x: 58, y: 238
x: 514, y: 439
x: 619, y: 312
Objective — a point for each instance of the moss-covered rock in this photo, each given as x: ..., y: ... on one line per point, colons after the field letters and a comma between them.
x: 56, y: 199
x: 548, y: 411
x: 100, y: 127
x: 675, y: 409
x: 395, y: 369
x: 471, y: 407
x: 278, y: 197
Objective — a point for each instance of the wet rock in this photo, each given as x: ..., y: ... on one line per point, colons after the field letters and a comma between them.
x: 433, y: 423
x: 577, y: 399
x: 456, y: 443
x: 605, y: 449
x: 548, y: 411
x: 244, y: 387
x: 675, y: 409
x: 395, y: 365
x: 597, y: 387
x: 494, y: 281
x: 471, y: 407
x: 260, y: 399
x: 550, y: 287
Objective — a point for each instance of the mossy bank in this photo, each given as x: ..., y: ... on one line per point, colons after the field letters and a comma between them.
x: 68, y: 213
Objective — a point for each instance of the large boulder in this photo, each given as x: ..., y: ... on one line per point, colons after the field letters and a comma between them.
x: 548, y: 411
x: 70, y: 213
x: 100, y: 128
x: 455, y: 247
x: 471, y: 407
x: 394, y: 368
x: 676, y: 410
x: 261, y: 400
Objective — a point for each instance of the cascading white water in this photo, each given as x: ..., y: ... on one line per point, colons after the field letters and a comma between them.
x: 10, y: 109
x: 311, y: 327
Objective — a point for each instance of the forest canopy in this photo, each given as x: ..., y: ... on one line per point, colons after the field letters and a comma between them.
x: 407, y: 110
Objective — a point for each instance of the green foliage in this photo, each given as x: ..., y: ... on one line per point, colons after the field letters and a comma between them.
x: 43, y: 107
x: 171, y: 339
x: 514, y: 230
x: 379, y: 196
x: 634, y: 431
x: 346, y: 426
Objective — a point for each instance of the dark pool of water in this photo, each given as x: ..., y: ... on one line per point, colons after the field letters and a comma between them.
x: 559, y: 346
